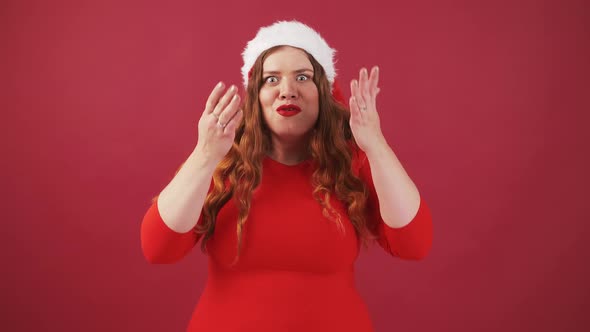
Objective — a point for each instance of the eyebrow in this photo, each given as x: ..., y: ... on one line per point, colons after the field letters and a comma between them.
x: 298, y: 71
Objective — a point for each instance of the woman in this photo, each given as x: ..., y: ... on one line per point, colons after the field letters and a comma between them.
x: 282, y: 194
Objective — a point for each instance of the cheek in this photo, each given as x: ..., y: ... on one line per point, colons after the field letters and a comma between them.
x: 266, y: 97
x: 313, y: 97
x: 312, y: 93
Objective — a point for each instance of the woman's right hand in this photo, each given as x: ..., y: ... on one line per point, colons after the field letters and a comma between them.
x: 218, y: 124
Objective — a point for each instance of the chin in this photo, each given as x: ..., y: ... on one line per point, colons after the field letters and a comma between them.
x: 286, y: 134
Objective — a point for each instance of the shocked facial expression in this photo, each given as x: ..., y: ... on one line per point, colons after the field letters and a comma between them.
x: 288, y: 96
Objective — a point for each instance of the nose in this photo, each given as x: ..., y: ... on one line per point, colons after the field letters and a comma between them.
x: 288, y: 90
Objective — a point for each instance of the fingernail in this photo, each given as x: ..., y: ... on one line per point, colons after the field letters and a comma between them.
x: 219, y: 85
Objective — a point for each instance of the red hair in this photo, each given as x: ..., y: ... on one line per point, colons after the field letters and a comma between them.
x: 331, y: 145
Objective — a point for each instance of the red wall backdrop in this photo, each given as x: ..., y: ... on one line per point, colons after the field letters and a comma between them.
x: 486, y: 103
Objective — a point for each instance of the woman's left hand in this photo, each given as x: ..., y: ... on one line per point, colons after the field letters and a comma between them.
x: 364, y: 120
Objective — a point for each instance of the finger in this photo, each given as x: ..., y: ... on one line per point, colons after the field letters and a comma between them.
x: 229, y: 112
x: 364, y: 83
x: 353, y: 88
x: 356, y: 93
x: 234, y: 122
x: 374, y: 81
x: 214, y: 97
x: 226, y: 99
x: 355, y: 113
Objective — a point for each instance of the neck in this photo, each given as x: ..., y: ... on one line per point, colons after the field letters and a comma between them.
x: 289, y: 151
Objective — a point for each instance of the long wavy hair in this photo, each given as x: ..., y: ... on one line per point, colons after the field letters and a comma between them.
x: 330, y: 142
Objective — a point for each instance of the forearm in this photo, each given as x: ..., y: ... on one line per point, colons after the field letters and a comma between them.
x: 398, y: 196
x: 181, y: 201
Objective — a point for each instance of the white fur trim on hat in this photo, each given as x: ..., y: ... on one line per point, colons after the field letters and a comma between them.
x: 290, y: 33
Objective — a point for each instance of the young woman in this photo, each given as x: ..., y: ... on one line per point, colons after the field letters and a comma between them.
x: 283, y: 193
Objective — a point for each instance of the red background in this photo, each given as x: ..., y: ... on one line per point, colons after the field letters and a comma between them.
x: 486, y: 104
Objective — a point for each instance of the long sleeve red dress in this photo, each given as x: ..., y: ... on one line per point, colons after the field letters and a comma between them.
x: 296, y: 268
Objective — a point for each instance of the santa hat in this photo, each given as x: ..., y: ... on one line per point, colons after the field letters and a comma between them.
x: 289, y: 33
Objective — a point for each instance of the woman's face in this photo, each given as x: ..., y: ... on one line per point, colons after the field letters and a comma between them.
x: 288, y: 96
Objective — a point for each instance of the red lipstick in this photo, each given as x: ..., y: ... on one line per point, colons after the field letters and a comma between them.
x: 288, y: 110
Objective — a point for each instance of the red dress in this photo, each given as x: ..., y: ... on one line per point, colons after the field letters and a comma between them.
x: 296, y: 270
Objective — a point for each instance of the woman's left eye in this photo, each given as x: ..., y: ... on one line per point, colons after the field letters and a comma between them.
x: 302, y: 78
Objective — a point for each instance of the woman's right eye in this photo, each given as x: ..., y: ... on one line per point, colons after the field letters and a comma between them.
x: 271, y: 79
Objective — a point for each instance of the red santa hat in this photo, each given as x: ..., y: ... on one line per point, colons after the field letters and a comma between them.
x: 290, y: 33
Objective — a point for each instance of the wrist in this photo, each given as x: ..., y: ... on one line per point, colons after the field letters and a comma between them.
x: 377, y: 149
x: 202, y: 160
